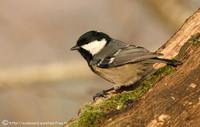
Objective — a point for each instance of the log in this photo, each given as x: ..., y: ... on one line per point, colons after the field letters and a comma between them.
x: 169, y: 97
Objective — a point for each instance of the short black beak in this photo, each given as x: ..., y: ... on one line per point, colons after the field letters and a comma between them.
x: 75, y: 48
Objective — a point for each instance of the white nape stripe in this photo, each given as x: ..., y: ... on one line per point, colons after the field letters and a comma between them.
x: 95, y: 46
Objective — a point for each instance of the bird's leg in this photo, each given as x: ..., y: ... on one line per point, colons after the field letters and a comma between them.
x: 102, y: 93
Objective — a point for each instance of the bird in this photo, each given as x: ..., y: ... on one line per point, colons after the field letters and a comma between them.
x: 118, y: 62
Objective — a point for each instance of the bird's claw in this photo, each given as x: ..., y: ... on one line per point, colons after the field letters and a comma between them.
x: 100, y: 94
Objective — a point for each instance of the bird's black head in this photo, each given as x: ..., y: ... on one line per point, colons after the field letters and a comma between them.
x: 91, y: 43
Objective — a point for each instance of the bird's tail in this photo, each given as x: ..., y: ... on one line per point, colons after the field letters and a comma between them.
x: 172, y: 62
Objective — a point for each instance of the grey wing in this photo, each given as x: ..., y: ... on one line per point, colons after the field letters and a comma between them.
x: 128, y: 54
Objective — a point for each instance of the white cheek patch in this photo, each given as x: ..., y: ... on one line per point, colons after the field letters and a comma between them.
x: 95, y: 46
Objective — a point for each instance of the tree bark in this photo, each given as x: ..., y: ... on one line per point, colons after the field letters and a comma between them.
x: 173, y: 101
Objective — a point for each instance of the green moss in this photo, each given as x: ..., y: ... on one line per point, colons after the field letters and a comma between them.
x: 195, y: 39
x: 89, y: 117
x: 94, y: 114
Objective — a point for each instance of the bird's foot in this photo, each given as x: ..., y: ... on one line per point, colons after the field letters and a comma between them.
x: 102, y: 93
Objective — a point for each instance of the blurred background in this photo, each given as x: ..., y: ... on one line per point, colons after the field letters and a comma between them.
x: 40, y: 78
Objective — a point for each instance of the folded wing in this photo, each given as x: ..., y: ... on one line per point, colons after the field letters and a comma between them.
x: 125, y: 55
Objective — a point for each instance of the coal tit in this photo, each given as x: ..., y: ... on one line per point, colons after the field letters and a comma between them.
x: 117, y: 62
